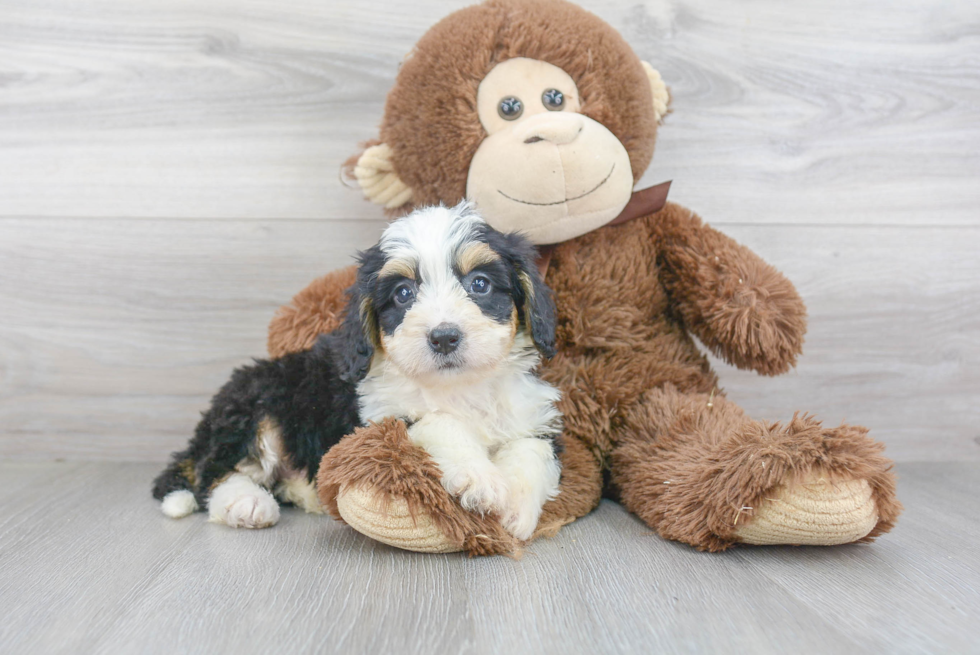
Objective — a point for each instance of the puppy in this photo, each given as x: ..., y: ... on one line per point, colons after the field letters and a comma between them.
x: 444, y: 328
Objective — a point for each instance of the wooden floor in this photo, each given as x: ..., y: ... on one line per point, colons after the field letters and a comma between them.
x: 88, y: 564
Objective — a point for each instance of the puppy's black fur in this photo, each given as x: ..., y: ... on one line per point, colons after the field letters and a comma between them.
x: 302, y: 392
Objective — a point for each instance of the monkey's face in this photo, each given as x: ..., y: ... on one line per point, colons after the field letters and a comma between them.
x: 544, y: 168
x: 535, y: 110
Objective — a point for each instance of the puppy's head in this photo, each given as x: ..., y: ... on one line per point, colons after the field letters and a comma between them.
x: 444, y: 294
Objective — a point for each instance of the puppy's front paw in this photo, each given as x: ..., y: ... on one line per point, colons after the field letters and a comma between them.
x: 479, y: 488
x: 520, y: 516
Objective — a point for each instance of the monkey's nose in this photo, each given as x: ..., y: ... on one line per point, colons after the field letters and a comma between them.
x: 445, y: 338
x: 552, y: 127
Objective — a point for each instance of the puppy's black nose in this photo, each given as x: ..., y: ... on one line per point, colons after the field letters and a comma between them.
x: 445, y: 338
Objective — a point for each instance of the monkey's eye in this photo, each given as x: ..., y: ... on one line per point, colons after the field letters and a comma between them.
x: 480, y: 285
x: 553, y: 100
x: 404, y: 294
x: 510, y: 108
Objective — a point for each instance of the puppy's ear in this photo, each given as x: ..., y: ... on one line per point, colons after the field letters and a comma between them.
x: 352, y: 344
x: 539, y: 308
x: 535, y: 305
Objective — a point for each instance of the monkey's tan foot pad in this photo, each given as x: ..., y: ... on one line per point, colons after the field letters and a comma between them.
x: 816, y: 511
x: 392, y: 523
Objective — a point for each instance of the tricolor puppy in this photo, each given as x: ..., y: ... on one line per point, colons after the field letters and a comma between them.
x: 262, y: 439
x: 445, y: 327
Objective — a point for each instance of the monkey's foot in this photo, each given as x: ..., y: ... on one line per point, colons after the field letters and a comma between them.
x: 816, y: 511
x: 392, y: 523
x: 387, y: 488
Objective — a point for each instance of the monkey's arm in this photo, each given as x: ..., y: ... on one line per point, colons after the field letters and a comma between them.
x: 315, y: 310
x: 742, y: 308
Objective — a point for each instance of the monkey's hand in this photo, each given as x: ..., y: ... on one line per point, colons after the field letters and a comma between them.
x: 742, y: 308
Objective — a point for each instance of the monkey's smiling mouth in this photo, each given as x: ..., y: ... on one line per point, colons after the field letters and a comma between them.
x: 559, y: 202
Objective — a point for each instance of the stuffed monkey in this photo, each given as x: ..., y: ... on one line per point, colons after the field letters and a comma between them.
x: 542, y: 114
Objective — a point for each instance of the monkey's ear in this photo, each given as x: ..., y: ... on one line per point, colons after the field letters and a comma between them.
x: 379, y: 182
x: 661, y: 98
x: 351, y: 344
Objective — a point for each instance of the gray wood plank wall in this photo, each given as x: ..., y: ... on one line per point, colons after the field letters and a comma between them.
x: 169, y: 176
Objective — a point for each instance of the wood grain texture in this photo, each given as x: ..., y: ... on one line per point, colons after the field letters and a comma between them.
x: 785, y: 112
x: 116, y: 333
x: 89, y: 564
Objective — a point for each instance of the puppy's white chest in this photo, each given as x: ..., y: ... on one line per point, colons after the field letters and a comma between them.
x: 496, y: 410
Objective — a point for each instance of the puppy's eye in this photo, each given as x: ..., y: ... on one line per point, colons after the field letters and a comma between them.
x: 553, y: 100
x: 510, y: 108
x: 480, y: 285
x: 404, y: 294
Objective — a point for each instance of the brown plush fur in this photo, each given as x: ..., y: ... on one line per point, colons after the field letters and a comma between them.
x: 688, y: 463
x: 317, y: 309
x: 635, y: 388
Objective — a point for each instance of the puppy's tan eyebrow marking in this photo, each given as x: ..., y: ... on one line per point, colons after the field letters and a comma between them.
x: 402, y: 267
x: 475, y: 255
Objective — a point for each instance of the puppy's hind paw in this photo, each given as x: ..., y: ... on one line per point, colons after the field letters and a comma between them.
x: 253, y: 512
x: 240, y: 503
